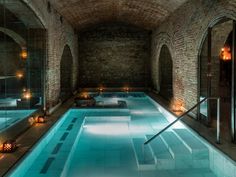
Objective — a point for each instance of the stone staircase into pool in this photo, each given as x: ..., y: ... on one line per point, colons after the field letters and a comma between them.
x: 175, y: 149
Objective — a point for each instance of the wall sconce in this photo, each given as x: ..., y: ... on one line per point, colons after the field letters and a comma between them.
x: 8, y: 146
x: 24, y: 53
x: 40, y: 119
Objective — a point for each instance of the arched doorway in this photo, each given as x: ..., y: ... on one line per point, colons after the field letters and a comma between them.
x: 216, y: 69
x: 166, y: 73
x: 66, y: 71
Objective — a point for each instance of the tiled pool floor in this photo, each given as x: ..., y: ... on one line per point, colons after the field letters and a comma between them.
x: 105, y: 149
x: 109, y: 143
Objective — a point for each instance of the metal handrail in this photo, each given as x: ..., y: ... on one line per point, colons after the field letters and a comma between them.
x: 181, y: 116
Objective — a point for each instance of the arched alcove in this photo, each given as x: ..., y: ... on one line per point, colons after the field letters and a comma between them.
x: 166, y: 73
x: 66, y: 75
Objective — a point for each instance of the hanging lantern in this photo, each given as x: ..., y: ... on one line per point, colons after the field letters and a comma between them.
x: 8, y: 146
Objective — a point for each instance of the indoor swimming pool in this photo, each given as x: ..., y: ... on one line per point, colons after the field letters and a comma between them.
x: 109, y: 143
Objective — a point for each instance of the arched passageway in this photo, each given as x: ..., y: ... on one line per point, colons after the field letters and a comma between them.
x: 66, y: 71
x: 166, y: 73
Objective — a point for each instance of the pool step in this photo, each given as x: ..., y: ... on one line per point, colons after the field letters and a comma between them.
x: 164, y: 159
x: 144, y: 156
x: 181, y: 154
x: 200, y: 153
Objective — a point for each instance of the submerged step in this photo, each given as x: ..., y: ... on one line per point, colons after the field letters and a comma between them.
x: 163, y: 157
x: 144, y: 157
x: 200, y: 153
x: 178, y: 150
x: 192, y: 143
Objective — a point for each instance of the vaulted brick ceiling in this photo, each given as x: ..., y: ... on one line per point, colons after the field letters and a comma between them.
x: 144, y: 13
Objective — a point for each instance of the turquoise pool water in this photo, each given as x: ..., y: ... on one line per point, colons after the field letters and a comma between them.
x: 109, y: 143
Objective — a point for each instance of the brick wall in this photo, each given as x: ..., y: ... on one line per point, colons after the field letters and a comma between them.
x: 184, y: 33
x: 114, y: 55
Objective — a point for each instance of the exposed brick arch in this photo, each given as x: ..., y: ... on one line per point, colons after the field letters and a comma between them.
x: 16, y: 37
x: 163, y: 39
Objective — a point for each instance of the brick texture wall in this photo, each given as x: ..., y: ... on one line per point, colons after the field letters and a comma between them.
x: 114, y: 55
x: 184, y: 32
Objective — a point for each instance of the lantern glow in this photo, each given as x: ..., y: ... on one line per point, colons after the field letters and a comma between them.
x: 177, y: 106
x: 126, y: 89
x: 40, y: 119
x: 225, y: 54
x: 19, y: 75
x: 27, y: 95
x: 23, y: 54
x: 8, y: 146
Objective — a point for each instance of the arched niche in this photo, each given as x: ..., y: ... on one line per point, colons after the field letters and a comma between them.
x: 166, y: 73
x: 66, y: 74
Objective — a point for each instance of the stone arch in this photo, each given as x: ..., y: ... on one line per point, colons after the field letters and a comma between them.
x: 66, y: 74
x: 203, y: 42
x: 166, y: 73
x: 16, y: 37
x: 222, y: 26
x: 162, y: 39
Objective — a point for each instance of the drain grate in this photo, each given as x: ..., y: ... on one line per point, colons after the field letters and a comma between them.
x: 70, y: 127
x: 47, y: 165
x: 57, y: 148
x: 64, y: 136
